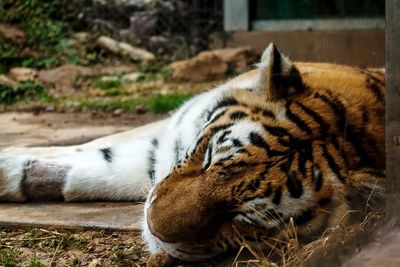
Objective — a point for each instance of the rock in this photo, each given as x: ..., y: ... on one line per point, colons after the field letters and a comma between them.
x: 11, y: 32
x: 105, y: 15
x: 117, y: 112
x: 109, y: 79
x: 241, y: 58
x: 124, y: 49
x: 158, y: 43
x: 107, y: 70
x: 127, y: 35
x: 68, y: 75
x: 23, y: 74
x: 95, y: 263
x: 108, y: 44
x: 4, y: 80
x: 130, y: 77
x: 144, y: 23
x: 82, y: 37
x: 64, y: 76
x: 210, y: 65
x: 204, y: 66
x: 50, y: 108
x: 124, y: 4
x: 135, y: 53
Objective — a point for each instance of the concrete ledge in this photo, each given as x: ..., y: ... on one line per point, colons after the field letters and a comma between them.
x: 95, y: 215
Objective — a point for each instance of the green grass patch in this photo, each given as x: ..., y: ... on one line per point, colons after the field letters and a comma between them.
x: 7, y: 94
x: 39, y: 19
x: 108, y: 84
x: 30, y: 237
x: 80, y: 242
x: 157, y: 104
x: 111, y: 85
x: 35, y: 261
x: 111, y: 82
x: 153, y: 72
x: 8, y: 256
x: 26, y: 90
x: 108, y: 105
x: 164, y: 103
x: 56, y: 243
x: 47, y: 36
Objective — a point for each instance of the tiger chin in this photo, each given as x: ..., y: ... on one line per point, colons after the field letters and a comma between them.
x: 286, y: 143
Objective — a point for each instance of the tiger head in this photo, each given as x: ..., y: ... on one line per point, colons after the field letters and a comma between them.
x: 292, y: 147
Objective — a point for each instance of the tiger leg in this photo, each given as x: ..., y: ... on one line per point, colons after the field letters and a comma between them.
x: 108, y: 168
x: 119, y: 172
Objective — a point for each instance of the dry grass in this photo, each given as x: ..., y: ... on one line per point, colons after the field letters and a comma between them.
x: 340, y: 235
x: 292, y: 252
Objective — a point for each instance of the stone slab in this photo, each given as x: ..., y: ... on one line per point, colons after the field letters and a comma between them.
x: 383, y: 252
x: 26, y: 129
x: 94, y: 215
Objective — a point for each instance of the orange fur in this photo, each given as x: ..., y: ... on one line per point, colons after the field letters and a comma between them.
x: 193, y: 205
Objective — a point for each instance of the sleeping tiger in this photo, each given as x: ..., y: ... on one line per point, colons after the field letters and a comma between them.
x: 298, y: 142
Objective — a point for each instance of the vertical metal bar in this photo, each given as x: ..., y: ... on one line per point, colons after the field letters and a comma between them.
x: 393, y: 108
x: 236, y: 15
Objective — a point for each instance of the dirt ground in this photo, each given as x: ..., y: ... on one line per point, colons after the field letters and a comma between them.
x: 36, y: 247
x: 39, y: 247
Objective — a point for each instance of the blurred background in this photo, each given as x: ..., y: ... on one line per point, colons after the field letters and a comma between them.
x: 143, y: 55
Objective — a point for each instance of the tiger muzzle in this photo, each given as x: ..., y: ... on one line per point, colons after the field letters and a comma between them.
x: 183, y: 212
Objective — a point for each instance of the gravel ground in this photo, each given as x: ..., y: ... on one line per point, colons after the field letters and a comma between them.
x: 35, y: 247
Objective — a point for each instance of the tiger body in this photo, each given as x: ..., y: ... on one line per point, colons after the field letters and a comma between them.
x: 286, y: 142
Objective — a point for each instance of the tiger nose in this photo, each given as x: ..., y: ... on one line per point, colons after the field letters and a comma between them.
x: 183, y: 227
x: 179, y: 221
x: 181, y: 213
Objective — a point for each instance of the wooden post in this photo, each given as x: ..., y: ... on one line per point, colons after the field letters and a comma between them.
x: 393, y: 108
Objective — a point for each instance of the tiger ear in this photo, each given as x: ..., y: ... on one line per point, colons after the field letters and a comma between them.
x: 279, y: 78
